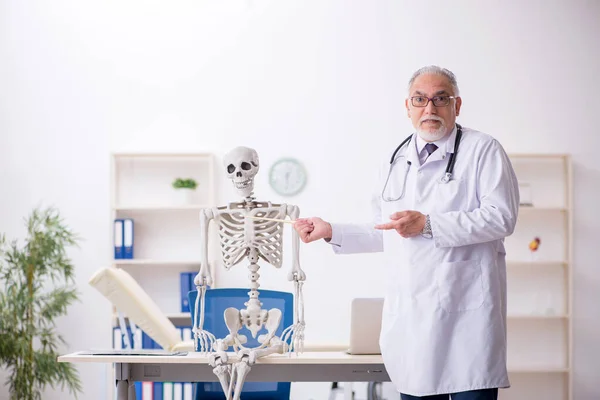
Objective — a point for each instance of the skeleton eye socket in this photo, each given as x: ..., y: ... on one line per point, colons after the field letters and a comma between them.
x: 246, y: 166
x: 230, y: 168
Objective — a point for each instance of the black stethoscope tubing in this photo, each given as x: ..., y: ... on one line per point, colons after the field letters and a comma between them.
x: 451, y: 160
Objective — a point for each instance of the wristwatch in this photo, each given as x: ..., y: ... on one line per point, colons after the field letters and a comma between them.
x: 426, y: 232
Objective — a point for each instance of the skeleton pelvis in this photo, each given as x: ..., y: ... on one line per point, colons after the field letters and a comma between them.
x: 254, y: 319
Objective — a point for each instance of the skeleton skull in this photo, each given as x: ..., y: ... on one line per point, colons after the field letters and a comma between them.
x: 242, y: 165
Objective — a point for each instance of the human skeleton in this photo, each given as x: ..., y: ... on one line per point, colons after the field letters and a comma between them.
x: 242, y: 237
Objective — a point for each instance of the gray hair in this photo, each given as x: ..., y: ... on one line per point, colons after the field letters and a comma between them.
x: 434, y: 69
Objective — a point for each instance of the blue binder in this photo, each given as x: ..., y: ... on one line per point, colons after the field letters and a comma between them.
x: 128, y: 238
x: 118, y: 239
x: 157, y: 392
x: 185, y: 286
x: 148, y: 342
x: 138, y: 390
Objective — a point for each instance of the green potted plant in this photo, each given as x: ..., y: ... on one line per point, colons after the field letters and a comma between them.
x: 185, y: 189
x: 37, y: 286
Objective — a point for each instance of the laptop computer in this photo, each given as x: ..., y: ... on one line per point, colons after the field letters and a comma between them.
x: 365, y: 325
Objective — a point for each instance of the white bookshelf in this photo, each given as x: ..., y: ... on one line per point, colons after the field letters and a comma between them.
x: 166, y: 227
x: 539, y: 284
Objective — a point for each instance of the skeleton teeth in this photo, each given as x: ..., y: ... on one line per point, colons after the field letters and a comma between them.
x: 243, y: 184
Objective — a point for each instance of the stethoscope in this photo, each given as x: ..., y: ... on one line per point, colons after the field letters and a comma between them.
x: 445, y: 178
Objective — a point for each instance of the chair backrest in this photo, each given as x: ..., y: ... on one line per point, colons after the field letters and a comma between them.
x: 216, y: 301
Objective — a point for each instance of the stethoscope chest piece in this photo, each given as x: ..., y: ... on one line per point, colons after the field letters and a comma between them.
x: 447, y: 177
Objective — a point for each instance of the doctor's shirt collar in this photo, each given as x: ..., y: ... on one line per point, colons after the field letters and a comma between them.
x: 446, y: 143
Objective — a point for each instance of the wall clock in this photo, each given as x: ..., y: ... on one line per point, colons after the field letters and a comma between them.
x: 287, y: 176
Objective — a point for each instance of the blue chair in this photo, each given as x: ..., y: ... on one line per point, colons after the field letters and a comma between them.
x: 216, y: 301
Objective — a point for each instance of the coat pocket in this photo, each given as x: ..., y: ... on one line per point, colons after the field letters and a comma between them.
x: 451, y: 195
x: 460, y: 286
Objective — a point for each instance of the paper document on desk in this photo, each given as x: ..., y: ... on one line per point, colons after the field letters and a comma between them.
x: 135, y: 352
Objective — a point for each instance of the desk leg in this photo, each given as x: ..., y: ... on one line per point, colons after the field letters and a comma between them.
x: 122, y: 381
x: 122, y: 390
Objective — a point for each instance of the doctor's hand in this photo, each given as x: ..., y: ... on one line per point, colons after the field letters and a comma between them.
x: 406, y: 223
x: 311, y: 229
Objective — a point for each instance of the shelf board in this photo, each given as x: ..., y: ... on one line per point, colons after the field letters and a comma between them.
x: 177, y: 156
x: 537, y: 316
x: 537, y: 370
x: 167, y: 207
x: 537, y: 263
x: 539, y: 155
x: 171, y: 316
x: 179, y: 315
x: 154, y: 262
x: 528, y: 209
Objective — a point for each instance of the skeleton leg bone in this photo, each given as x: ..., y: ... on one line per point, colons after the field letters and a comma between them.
x: 223, y: 372
x: 248, y: 358
x: 218, y: 361
x: 242, y: 368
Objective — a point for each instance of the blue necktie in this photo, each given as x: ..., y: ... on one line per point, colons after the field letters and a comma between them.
x: 430, y: 147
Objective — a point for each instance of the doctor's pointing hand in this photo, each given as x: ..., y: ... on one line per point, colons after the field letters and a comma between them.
x: 447, y: 197
x: 406, y: 223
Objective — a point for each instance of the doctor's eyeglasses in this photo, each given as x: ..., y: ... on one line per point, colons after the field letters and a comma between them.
x: 438, y: 101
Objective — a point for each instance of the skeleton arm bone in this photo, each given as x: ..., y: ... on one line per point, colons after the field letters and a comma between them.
x: 295, y: 333
x: 202, y: 339
x: 204, y: 277
x: 296, y: 273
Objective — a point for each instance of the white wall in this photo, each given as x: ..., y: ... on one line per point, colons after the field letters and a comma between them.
x: 323, y: 81
x: 54, y: 152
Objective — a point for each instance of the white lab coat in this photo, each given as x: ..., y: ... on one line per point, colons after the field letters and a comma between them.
x: 444, y: 317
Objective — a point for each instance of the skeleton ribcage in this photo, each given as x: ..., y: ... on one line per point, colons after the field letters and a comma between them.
x: 238, y: 235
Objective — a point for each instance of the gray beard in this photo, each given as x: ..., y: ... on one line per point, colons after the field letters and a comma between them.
x: 432, y: 136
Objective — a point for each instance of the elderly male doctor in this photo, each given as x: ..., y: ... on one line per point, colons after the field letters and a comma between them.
x: 446, y: 199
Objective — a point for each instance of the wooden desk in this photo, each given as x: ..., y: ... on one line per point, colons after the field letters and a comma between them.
x: 307, y: 367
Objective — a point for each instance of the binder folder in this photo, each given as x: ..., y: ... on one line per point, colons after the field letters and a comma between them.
x: 128, y: 238
x: 118, y: 239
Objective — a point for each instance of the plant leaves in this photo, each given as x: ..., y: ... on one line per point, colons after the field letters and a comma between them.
x: 38, y: 286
